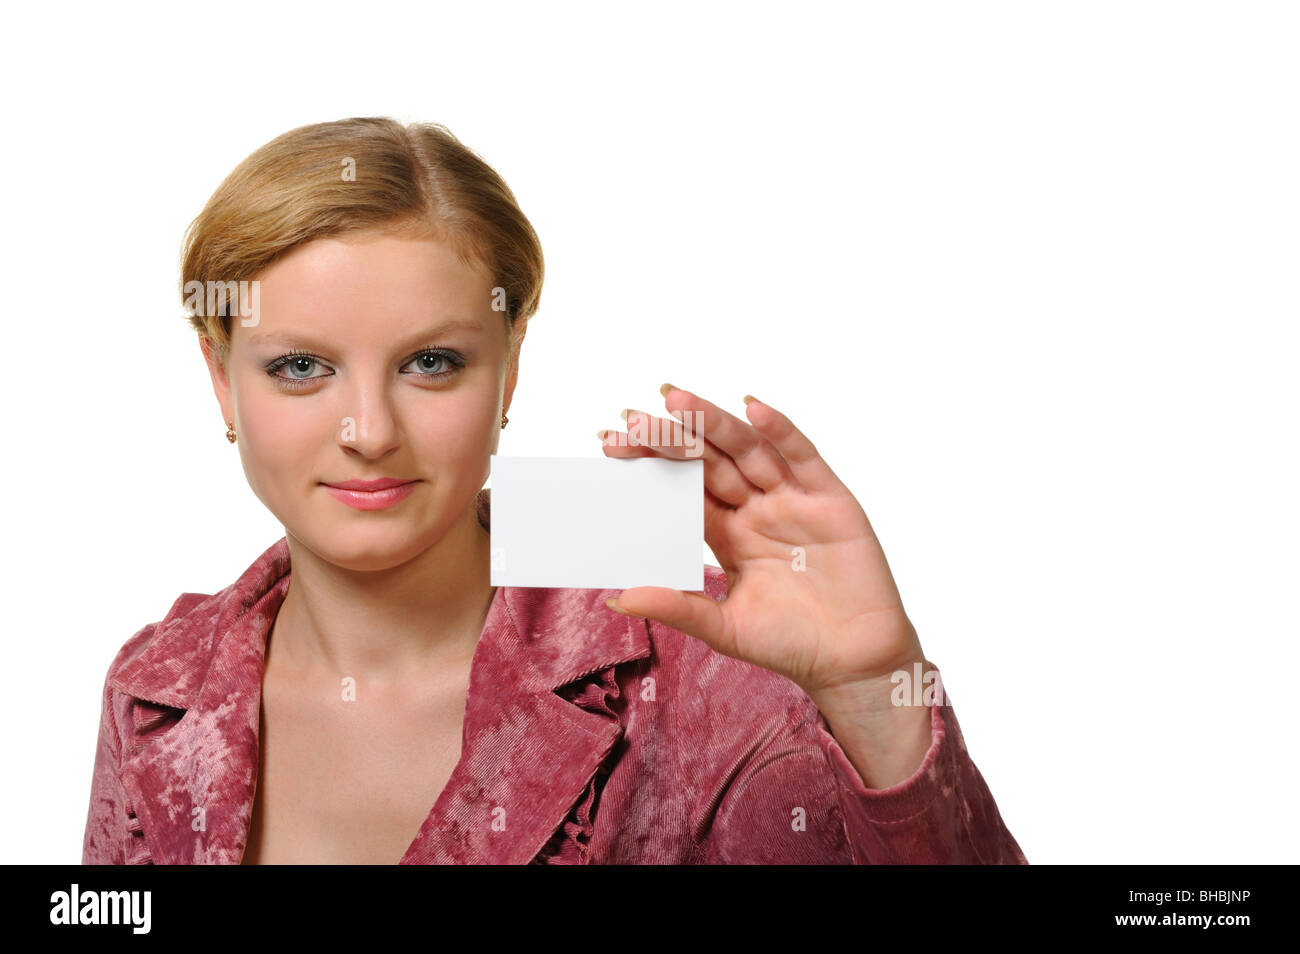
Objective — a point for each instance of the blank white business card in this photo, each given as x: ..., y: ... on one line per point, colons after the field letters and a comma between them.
x: 597, y: 523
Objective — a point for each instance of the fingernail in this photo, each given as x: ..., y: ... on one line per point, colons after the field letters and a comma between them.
x: 625, y: 412
x: 601, y: 434
x: 665, y: 388
x: 750, y: 397
x: 616, y: 608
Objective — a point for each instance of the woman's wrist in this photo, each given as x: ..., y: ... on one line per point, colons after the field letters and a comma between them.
x: 885, y: 737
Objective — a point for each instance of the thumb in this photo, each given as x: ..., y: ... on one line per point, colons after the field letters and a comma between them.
x: 692, y: 613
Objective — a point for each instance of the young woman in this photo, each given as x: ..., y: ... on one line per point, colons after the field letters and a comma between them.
x: 361, y: 694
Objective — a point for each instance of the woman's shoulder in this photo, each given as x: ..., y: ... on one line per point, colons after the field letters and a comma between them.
x: 140, y: 641
x: 167, y: 649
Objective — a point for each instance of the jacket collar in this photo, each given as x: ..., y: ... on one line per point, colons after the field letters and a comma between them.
x: 192, y: 787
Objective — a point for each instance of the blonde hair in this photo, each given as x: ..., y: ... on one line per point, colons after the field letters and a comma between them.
x: 416, y: 179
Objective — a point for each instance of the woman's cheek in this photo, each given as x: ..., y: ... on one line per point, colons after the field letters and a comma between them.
x: 460, y: 430
x: 278, y: 449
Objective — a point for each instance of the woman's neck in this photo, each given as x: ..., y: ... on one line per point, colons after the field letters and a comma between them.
x: 425, y: 614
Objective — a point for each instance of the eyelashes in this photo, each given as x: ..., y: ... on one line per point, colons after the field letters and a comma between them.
x: 295, y: 361
x: 453, y: 361
x: 305, y: 368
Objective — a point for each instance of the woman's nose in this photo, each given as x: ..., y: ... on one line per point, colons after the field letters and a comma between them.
x: 370, y: 426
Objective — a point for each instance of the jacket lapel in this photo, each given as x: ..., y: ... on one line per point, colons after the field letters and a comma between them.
x: 191, y: 778
x: 527, y: 753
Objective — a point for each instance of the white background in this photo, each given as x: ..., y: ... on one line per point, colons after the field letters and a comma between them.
x: 1026, y: 273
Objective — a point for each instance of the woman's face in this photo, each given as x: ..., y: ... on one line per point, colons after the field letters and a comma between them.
x: 372, y: 357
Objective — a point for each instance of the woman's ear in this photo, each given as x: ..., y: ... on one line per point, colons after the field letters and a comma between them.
x: 220, y: 379
x: 512, y: 373
x: 521, y: 329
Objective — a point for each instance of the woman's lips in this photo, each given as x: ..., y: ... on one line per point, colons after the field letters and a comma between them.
x: 371, y: 494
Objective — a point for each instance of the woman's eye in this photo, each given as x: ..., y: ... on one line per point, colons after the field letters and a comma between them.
x: 298, y: 367
x: 433, y: 364
x: 293, y: 370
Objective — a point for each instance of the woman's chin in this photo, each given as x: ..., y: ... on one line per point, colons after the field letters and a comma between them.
x: 363, y: 550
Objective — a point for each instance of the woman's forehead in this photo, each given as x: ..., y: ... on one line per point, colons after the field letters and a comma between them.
x: 383, y: 288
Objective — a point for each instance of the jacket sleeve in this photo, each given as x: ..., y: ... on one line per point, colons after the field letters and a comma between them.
x: 793, y: 796
x: 104, y: 842
x: 943, y: 814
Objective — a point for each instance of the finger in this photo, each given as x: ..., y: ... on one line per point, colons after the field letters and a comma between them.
x: 808, y: 466
x: 668, y: 438
x: 667, y: 435
x: 615, y: 444
x: 714, y: 506
x: 692, y: 613
x: 753, y: 454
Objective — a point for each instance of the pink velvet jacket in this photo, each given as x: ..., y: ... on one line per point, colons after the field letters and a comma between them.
x: 589, y: 737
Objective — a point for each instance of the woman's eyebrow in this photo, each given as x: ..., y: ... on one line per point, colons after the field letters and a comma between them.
x: 290, y: 340
x: 456, y: 324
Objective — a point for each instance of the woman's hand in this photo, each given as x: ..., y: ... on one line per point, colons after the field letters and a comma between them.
x: 809, y: 592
